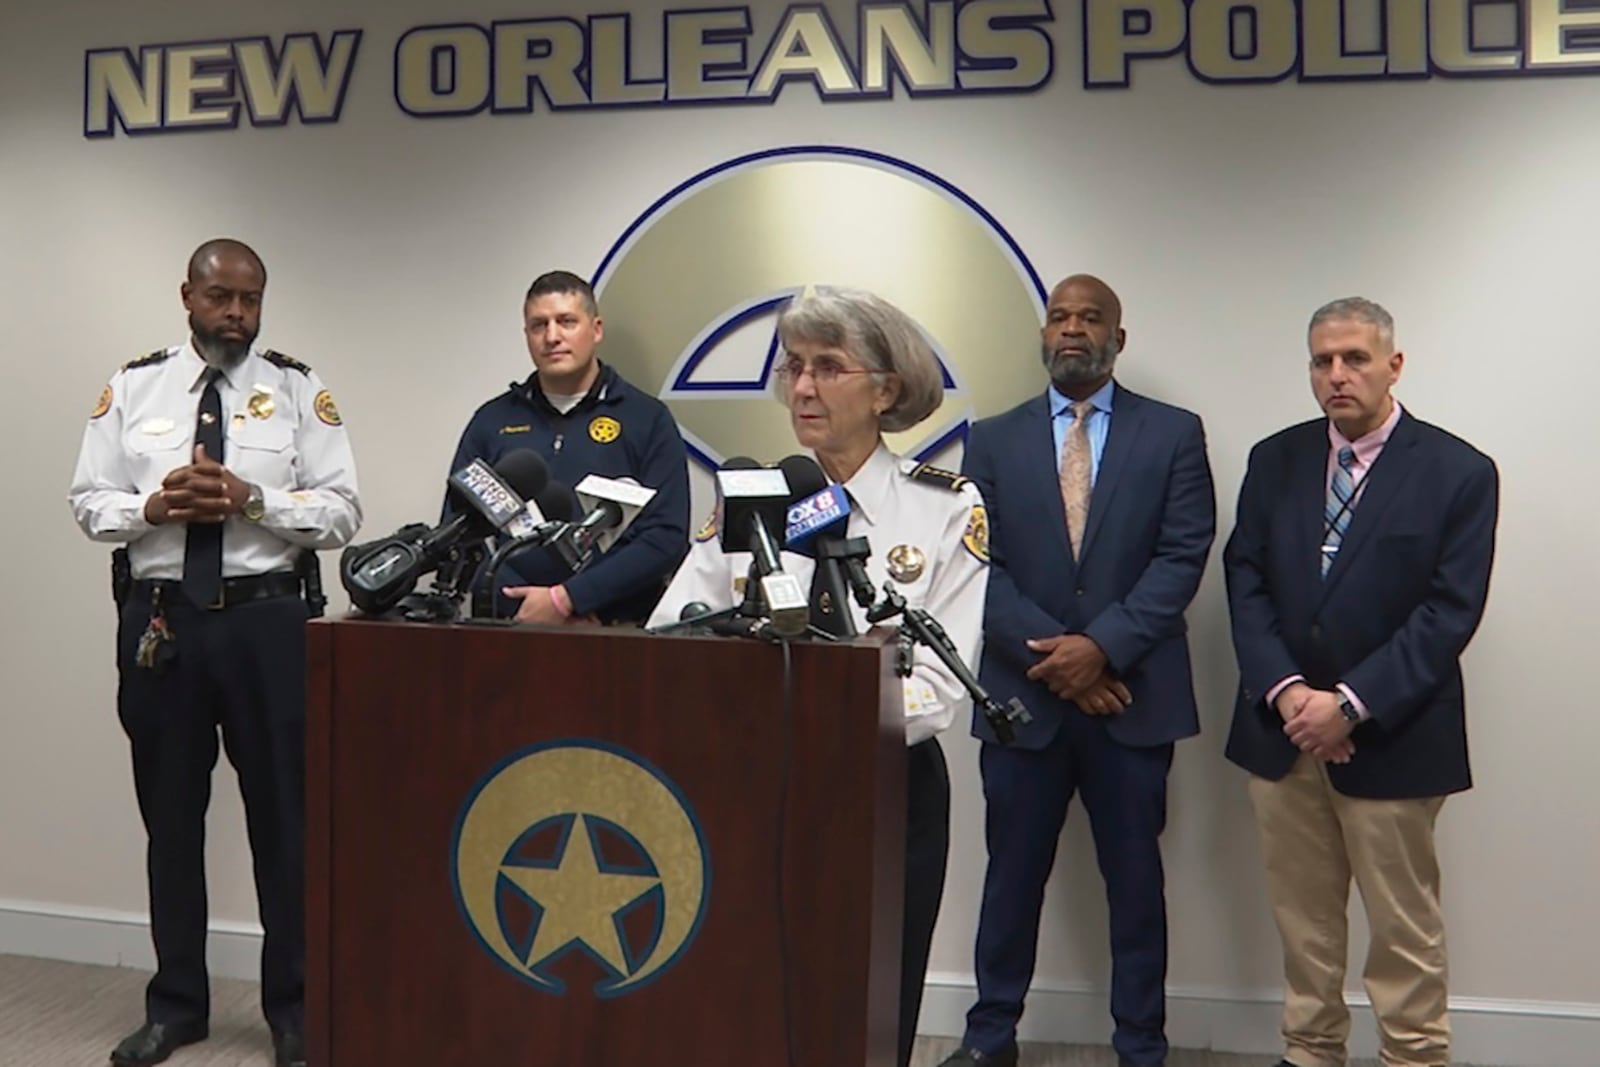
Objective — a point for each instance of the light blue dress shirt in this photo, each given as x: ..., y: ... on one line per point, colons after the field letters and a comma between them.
x: 1061, y: 417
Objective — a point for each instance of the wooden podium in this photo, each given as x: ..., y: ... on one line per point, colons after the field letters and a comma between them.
x: 597, y: 848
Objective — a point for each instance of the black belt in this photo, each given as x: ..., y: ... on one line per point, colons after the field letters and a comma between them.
x: 234, y: 590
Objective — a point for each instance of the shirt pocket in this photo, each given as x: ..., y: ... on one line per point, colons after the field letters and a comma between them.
x: 157, y: 451
x: 262, y: 451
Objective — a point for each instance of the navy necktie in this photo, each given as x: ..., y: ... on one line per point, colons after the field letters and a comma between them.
x: 1339, y: 508
x: 202, y: 548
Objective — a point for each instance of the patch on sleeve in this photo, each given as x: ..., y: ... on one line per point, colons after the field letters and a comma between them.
x: 326, y: 409
x: 103, y: 405
x: 930, y: 475
x: 708, y: 529
x: 977, y: 536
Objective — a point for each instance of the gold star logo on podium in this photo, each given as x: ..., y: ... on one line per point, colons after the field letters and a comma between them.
x: 579, y: 900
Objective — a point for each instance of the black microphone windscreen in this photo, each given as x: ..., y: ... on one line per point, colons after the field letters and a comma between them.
x: 741, y: 463
x: 612, y: 512
x: 524, y: 470
x: 557, y: 502
x: 804, y: 476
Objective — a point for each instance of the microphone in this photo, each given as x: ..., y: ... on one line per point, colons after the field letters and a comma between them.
x: 379, y: 574
x: 815, y: 526
x: 701, y: 619
x: 613, y: 504
x: 752, y: 500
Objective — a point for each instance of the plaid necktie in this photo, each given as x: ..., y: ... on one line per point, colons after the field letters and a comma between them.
x: 1339, y: 508
x: 1077, y: 474
x: 202, y: 546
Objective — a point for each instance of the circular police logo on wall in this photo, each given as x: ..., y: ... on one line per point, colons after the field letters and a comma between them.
x: 580, y: 849
x: 692, y: 289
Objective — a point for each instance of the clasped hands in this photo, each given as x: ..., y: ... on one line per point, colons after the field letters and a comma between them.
x: 1074, y: 668
x: 202, y: 491
x: 1313, y: 721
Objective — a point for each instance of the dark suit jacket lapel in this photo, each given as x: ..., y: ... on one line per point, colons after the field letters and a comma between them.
x: 1384, y: 482
x: 1127, y: 415
x: 1037, y: 454
x: 1308, y: 486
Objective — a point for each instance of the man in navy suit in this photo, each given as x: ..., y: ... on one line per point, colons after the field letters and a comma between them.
x: 1357, y: 573
x: 1101, y: 515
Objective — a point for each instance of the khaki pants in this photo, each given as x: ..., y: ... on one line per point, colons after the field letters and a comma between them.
x: 1314, y: 839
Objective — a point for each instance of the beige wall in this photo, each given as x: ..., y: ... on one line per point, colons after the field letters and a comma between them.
x: 398, y: 250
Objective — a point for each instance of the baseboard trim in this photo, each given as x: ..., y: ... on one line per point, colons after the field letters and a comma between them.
x: 1505, y: 1033
x: 116, y: 938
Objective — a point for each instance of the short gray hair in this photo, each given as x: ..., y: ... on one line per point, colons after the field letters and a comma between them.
x: 880, y: 335
x: 1358, y: 308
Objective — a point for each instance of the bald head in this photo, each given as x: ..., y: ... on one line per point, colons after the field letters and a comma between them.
x: 212, y: 255
x: 1092, y: 288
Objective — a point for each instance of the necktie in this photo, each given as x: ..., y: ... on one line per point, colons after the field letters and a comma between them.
x: 202, y: 547
x: 1339, y: 507
x: 1077, y: 474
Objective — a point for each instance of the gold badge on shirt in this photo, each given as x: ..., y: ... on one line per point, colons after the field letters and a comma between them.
x: 906, y: 563
x: 604, y: 429
x: 103, y: 405
x: 260, y: 405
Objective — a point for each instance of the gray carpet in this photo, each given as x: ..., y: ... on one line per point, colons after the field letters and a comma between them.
x: 55, y: 1014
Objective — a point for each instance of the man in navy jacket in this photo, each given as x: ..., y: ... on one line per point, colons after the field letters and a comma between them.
x: 1101, y: 515
x: 1357, y: 572
x: 583, y: 418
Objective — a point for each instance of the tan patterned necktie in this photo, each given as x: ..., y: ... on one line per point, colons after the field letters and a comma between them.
x: 1077, y: 471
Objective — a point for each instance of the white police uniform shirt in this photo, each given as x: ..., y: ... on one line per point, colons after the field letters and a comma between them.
x: 940, y: 515
x: 281, y: 430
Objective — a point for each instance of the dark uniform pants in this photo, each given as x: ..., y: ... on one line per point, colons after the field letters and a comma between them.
x: 239, y: 671
x: 927, y: 853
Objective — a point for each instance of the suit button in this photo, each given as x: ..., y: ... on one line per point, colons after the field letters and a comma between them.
x: 1078, y: 591
x: 1316, y: 631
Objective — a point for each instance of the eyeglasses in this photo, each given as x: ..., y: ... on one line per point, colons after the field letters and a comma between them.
x: 823, y: 371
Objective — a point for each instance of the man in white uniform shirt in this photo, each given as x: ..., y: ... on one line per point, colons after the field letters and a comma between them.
x: 218, y: 465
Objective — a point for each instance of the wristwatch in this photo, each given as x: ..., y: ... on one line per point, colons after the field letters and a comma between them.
x: 255, y: 505
x: 1351, y: 713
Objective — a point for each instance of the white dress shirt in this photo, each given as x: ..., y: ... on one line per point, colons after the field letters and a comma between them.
x: 281, y: 431
x: 891, y: 509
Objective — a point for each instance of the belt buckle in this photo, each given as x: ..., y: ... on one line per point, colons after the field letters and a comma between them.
x: 222, y: 597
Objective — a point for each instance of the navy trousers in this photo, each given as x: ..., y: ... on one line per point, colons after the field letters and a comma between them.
x: 1124, y: 791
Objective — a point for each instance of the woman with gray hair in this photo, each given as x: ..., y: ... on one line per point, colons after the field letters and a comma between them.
x: 853, y: 367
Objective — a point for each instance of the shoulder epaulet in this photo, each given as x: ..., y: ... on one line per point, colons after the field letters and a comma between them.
x: 278, y: 359
x: 160, y: 355
x: 928, y: 474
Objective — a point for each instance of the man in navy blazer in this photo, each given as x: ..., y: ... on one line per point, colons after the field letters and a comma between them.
x: 1101, y: 515
x: 1357, y: 573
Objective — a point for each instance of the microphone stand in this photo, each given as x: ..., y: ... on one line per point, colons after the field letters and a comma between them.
x: 748, y: 608
x: 484, y: 604
x: 443, y: 602
x: 925, y: 630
